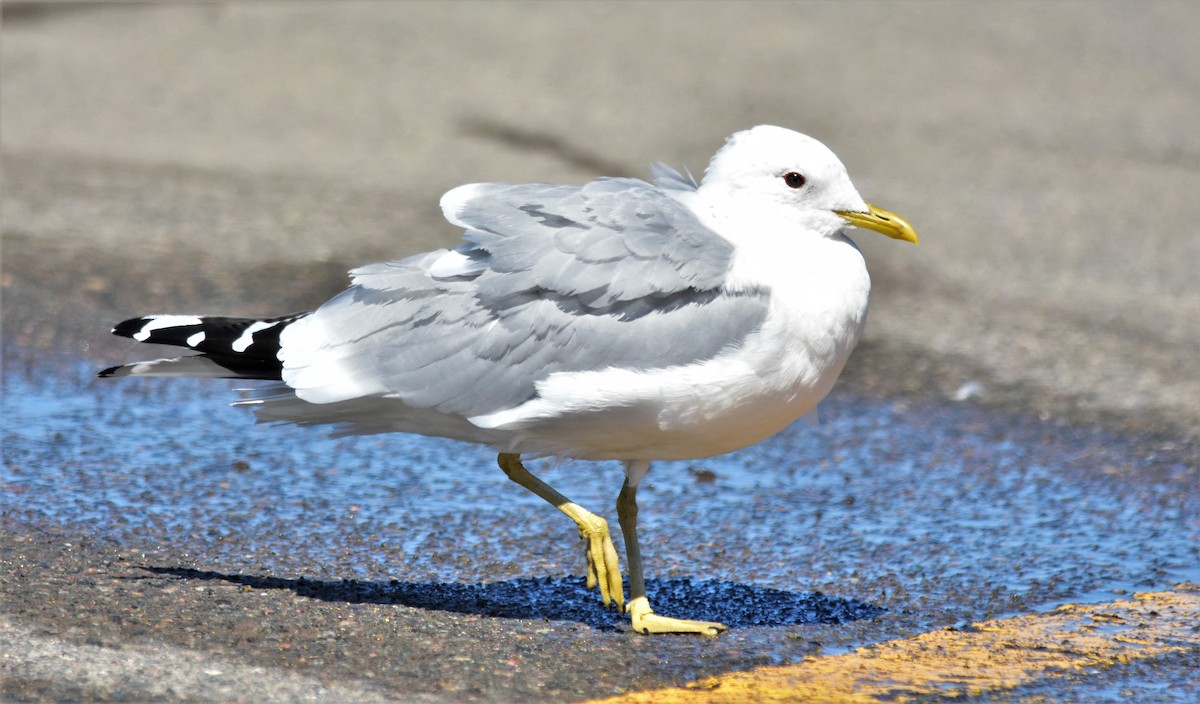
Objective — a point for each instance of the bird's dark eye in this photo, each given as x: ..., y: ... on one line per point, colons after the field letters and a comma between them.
x: 794, y: 179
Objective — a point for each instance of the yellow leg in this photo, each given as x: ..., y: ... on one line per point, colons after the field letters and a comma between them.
x: 604, y: 570
x: 643, y: 618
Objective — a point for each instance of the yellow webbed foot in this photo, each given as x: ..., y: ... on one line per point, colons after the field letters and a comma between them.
x: 645, y: 621
x: 603, y: 566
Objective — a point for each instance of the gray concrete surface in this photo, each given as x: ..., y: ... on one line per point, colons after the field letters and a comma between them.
x: 238, y: 157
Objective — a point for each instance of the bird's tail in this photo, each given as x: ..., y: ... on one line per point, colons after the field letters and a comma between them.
x: 233, y: 348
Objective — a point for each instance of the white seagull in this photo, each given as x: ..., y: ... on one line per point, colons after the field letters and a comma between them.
x: 617, y: 320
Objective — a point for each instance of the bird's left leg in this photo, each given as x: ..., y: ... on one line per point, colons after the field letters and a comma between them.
x: 642, y: 617
x: 604, y: 570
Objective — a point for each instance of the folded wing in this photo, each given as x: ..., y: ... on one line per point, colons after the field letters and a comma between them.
x: 613, y: 274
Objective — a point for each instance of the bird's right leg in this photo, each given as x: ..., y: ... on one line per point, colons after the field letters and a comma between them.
x: 641, y: 616
x: 604, y: 570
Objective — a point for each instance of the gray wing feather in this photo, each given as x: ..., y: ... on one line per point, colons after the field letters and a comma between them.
x: 609, y: 239
x: 552, y: 279
x: 668, y: 178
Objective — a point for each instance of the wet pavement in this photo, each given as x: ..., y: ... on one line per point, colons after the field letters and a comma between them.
x: 150, y: 510
x: 1018, y: 429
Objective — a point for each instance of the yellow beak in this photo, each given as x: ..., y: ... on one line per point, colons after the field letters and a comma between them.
x: 880, y: 220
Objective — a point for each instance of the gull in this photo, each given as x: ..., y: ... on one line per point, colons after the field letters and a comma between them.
x: 617, y: 320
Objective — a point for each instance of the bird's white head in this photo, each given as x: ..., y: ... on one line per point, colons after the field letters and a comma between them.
x: 790, y: 177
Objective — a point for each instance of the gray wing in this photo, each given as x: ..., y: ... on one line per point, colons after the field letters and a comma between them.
x: 551, y: 279
x: 610, y: 241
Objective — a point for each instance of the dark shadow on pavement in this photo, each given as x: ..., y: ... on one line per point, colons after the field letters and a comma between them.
x: 567, y: 599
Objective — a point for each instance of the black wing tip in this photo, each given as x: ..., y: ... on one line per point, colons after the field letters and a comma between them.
x: 128, y: 328
x: 107, y: 373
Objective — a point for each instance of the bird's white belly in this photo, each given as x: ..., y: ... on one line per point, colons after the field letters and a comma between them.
x: 699, y: 410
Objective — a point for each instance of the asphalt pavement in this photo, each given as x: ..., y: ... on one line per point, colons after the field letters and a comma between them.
x: 1017, y: 431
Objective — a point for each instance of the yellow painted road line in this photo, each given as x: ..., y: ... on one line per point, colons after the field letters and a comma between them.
x: 988, y: 657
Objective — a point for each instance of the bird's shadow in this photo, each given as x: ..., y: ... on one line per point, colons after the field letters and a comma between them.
x: 567, y: 599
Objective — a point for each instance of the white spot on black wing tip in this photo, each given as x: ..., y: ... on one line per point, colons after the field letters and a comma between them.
x: 247, y: 337
x: 147, y: 328
x: 128, y: 328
